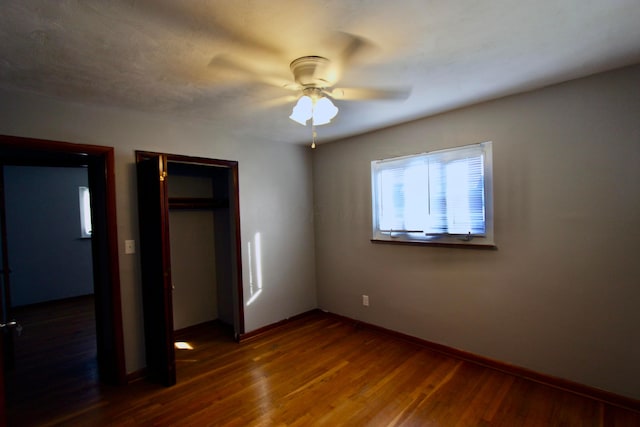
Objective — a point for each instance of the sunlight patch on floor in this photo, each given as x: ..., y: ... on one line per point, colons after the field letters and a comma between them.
x: 183, y: 345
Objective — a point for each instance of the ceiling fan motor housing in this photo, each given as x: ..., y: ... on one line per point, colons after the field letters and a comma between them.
x: 311, y: 71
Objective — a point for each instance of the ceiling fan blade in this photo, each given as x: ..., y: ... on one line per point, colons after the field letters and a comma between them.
x: 228, y: 63
x: 351, y: 48
x: 276, y: 102
x: 360, y: 94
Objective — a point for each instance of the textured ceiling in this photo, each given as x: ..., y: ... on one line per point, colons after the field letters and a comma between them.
x: 156, y: 55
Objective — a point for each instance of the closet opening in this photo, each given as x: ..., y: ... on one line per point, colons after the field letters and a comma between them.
x: 190, y: 252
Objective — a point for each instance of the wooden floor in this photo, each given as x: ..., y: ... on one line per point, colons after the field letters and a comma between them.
x: 55, y: 360
x: 314, y: 371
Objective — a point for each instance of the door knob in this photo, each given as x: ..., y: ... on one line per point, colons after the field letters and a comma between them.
x: 12, y: 324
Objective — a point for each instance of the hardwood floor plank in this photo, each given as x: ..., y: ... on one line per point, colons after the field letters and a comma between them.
x: 317, y: 370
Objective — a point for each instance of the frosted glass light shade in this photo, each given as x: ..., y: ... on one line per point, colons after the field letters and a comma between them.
x: 324, y: 111
x: 302, y: 111
x: 321, y: 111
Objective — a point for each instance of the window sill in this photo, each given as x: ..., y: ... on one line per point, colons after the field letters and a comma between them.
x: 461, y: 245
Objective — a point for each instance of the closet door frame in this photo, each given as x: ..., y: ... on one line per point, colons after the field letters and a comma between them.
x: 156, y: 271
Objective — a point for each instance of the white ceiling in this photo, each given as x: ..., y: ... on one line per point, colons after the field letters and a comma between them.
x: 154, y: 55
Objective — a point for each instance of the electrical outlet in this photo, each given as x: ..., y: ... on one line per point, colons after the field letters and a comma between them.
x: 365, y: 300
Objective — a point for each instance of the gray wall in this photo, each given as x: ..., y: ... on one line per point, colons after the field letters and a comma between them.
x: 48, y: 259
x: 275, y: 196
x: 561, y: 294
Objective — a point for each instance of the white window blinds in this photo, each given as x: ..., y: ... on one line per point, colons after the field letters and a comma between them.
x: 432, y: 195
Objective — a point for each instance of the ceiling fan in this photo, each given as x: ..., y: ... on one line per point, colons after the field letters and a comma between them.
x: 314, y: 78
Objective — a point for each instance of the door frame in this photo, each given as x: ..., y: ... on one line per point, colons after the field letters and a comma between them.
x: 100, y: 163
x: 163, y: 303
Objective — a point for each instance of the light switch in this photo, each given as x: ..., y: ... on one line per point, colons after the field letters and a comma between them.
x: 129, y: 246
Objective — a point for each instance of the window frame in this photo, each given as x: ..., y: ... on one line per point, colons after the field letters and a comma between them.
x: 484, y: 240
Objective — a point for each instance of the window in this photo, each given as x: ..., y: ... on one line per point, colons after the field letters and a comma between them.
x: 85, y: 212
x: 441, y: 197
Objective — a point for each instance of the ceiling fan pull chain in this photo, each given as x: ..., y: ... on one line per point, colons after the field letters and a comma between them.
x: 313, y: 135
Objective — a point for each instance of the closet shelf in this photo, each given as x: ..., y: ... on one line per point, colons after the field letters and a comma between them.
x: 197, y: 203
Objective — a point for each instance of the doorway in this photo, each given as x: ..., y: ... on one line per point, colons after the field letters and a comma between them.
x: 99, y: 164
x: 51, y: 289
x: 189, y: 249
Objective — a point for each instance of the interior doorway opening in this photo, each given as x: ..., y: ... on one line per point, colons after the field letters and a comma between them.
x: 51, y: 289
x: 105, y: 304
